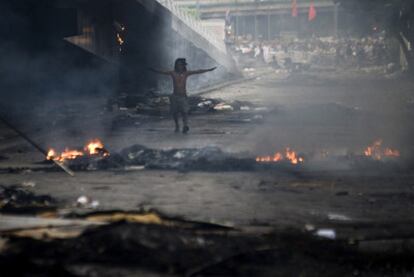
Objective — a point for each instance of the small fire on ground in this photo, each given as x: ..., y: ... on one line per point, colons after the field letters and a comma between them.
x: 289, y: 156
x: 93, y: 148
x: 377, y: 152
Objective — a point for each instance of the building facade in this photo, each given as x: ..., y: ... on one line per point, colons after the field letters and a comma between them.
x: 268, y: 19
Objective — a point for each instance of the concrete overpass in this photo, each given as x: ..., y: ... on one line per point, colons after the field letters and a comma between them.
x: 137, y: 34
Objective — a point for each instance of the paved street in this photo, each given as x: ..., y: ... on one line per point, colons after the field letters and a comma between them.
x: 309, y: 113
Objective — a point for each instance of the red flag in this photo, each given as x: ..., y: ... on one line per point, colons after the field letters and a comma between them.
x: 294, y: 8
x: 312, y: 11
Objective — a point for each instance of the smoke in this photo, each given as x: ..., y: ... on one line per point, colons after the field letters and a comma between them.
x: 173, y: 46
x: 43, y: 77
x: 340, y: 118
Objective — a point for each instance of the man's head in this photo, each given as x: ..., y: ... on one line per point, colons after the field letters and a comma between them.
x: 180, y: 65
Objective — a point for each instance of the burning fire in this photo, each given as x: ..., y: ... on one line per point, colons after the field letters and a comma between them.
x: 119, y: 39
x: 289, y: 155
x: 120, y: 36
x: 94, y: 147
x: 377, y: 152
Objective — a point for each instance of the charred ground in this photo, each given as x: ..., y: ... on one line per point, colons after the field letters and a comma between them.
x: 260, y: 217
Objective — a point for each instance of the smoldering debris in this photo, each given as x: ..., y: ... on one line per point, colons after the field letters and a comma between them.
x: 206, y: 158
x: 17, y: 199
x: 372, y: 160
x: 165, y: 250
x: 154, y: 104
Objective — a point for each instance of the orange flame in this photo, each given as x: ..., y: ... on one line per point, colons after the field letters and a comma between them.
x: 119, y: 39
x: 70, y: 154
x: 289, y: 155
x: 94, y: 147
x: 377, y: 152
x: 51, y: 154
x: 65, y: 155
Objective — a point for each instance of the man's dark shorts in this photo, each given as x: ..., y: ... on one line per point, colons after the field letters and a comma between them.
x: 178, y: 104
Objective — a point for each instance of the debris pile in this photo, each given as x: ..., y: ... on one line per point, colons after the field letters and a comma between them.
x: 155, y: 104
x: 289, y: 155
x: 156, y: 249
x: 94, y: 148
x: 86, y: 202
x: 206, y: 158
x: 19, y: 199
x: 212, y: 158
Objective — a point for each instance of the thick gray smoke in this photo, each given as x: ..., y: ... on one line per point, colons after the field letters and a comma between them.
x: 40, y: 73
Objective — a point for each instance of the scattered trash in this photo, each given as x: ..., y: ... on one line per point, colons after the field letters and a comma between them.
x: 338, y: 217
x: 185, y: 249
x: 29, y: 184
x: 87, y: 202
x: 19, y: 199
x: 258, y: 117
x: 249, y: 69
x: 326, y: 233
x: 310, y: 227
x: 155, y: 104
x: 223, y: 107
x: 261, y: 109
x: 206, y: 158
x: 143, y: 218
x: 134, y: 168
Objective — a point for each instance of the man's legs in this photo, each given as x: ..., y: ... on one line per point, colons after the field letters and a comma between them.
x: 175, y: 112
x: 177, y: 124
x: 185, y: 122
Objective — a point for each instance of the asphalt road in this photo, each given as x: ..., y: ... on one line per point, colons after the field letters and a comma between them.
x: 334, y: 112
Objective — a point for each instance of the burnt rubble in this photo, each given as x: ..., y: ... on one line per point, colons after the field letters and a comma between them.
x: 16, y: 199
x: 165, y: 250
x: 206, y: 158
x: 213, y: 158
x: 156, y: 104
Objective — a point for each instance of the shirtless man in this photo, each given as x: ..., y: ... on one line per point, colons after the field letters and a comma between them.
x: 178, y: 100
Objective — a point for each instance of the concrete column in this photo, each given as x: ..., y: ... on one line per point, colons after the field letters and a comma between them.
x: 335, y: 11
x: 255, y: 27
x: 236, y: 27
x: 268, y: 27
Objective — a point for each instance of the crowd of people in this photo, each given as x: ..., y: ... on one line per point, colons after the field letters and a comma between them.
x: 327, y: 51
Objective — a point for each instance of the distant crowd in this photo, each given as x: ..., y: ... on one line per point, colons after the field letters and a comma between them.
x: 328, y: 51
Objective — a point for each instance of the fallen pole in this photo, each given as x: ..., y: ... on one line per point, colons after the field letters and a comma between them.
x: 35, y: 145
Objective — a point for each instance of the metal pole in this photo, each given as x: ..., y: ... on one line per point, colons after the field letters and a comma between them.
x: 35, y: 145
x: 236, y: 27
x: 198, y: 9
x: 255, y: 26
x: 336, y: 20
x: 268, y: 27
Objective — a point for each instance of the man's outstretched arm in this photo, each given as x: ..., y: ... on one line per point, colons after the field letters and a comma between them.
x: 164, y: 72
x: 200, y: 71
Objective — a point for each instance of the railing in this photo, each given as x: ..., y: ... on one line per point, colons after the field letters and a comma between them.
x: 232, y: 2
x: 194, y: 24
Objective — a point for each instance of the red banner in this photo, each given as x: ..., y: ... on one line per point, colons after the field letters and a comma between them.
x: 312, y: 11
x: 294, y: 8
